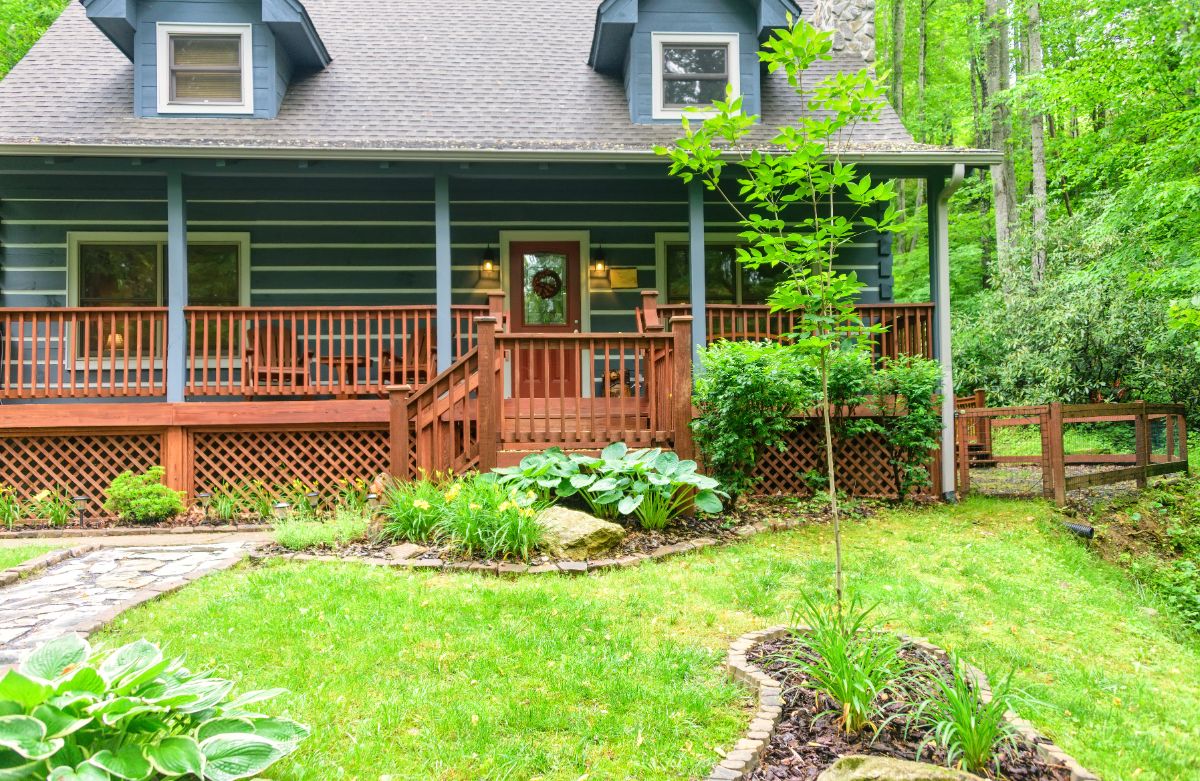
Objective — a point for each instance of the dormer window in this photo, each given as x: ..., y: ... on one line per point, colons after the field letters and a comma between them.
x: 692, y: 71
x: 205, y: 69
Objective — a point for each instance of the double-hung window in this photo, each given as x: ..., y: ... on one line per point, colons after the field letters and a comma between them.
x: 692, y: 71
x: 205, y: 69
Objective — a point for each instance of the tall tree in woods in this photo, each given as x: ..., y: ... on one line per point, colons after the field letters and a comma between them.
x: 1004, y: 177
x: 1037, y: 148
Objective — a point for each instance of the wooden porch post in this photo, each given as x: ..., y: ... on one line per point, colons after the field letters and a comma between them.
x: 496, y: 307
x: 696, y: 265
x: 177, y: 459
x: 177, y: 288
x: 940, y: 192
x: 399, y: 462
x: 445, y: 326
x: 681, y: 393
x: 489, y: 399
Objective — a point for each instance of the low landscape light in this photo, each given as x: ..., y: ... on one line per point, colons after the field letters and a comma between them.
x: 281, y: 510
x: 81, y: 503
x: 313, y: 497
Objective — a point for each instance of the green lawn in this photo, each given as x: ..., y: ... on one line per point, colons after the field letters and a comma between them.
x: 11, y: 557
x: 437, y: 676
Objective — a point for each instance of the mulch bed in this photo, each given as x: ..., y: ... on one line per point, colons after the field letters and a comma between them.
x: 193, y: 518
x: 808, y: 740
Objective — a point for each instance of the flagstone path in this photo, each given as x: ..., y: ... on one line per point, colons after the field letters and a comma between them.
x: 81, y: 594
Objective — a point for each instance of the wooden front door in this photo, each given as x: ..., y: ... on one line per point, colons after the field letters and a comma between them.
x: 544, y: 291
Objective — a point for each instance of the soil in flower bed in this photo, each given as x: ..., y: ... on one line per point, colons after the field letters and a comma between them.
x: 809, y: 740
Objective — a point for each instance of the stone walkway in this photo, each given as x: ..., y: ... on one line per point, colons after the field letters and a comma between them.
x: 80, y: 594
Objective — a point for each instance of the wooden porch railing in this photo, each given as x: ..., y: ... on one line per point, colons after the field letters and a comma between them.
x: 77, y: 352
x: 909, y: 327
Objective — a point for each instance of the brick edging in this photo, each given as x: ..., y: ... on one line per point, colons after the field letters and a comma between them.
x: 748, y: 752
x: 35, y: 565
x: 130, y: 531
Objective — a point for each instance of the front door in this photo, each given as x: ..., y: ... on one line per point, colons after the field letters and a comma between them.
x: 544, y: 285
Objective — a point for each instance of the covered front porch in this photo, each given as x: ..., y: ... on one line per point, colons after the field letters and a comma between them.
x: 282, y: 301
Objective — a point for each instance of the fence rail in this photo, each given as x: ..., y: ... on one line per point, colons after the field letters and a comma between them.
x: 1053, y: 460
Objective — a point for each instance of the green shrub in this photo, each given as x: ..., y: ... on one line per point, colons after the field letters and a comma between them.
x: 482, y: 517
x: 73, y: 715
x: 143, y: 498
x: 297, y: 533
x: 851, y: 663
x: 745, y: 397
x: 53, y: 506
x: 971, y: 731
x: 412, y: 510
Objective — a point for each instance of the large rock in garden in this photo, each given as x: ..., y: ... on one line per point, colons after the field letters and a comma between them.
x: 888, y: 769
x: 578, y: 535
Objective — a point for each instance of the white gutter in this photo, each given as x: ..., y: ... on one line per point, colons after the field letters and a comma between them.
x: 973, y: 157
x: 942, y: 314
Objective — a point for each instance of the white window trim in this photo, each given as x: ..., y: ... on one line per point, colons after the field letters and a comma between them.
x: 659, y: 40
x: 75, y: 238
x: 166, y: 30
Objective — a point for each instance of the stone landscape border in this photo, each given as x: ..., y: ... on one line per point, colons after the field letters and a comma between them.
x: 514, y: 569
x: 129, y: 531
x: 748, y: 752
x: 32, y: 567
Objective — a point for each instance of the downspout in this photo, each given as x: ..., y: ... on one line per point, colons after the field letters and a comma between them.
x: 942, y: 346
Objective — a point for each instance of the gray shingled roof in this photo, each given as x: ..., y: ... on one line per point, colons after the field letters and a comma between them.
x: 406, y: 75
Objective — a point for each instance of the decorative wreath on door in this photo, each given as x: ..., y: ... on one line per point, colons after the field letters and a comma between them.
x: 546, y: 283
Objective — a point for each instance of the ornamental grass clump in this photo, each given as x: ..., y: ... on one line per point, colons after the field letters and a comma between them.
x: 10, y: 507
x: 971, y: 730
x: 848, y: 662
x: 143, y: 498
x: 299, y: 533
x: 71, y: 714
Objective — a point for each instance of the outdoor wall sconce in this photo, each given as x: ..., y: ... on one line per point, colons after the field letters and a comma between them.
x: 281, y: 510
x: 599, y: 269
x: 489, y: 269
x: 81, y: 503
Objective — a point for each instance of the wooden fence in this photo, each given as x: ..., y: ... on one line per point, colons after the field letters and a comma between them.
x: 1050, y: 419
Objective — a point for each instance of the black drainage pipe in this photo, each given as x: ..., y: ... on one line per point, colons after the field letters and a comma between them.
x: 1080, y: 530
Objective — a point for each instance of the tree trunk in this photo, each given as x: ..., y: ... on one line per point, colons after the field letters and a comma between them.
x: 898, y: 57
x: 1037, y: 141
x: 1003, y: 175
x: 922, y: 75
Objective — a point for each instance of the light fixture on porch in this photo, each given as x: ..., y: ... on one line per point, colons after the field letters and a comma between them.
x: 81, y: 503
x: 489, y: 269
x: 599, y: 266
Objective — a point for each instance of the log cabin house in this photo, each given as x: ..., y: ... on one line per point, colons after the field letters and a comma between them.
x: 229, y: 227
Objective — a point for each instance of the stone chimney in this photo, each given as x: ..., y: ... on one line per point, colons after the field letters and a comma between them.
x: 853, y: 24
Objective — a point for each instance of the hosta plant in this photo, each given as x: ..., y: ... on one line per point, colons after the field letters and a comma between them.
x: 548, y: 474
x: 652, y: 485
x: 72, y: 714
